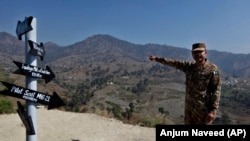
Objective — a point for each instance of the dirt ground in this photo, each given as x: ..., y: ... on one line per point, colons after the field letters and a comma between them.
x: 56, y: 125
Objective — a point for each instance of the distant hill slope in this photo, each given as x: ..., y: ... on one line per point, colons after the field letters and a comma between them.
x: 103, y: 74
x: 105, y: 47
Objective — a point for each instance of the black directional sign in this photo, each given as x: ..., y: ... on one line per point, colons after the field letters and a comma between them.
x: 23, y: 27
x: 53, y: 101
x: 36, y: 49
x: 27, y: 120
x: 34, y: 71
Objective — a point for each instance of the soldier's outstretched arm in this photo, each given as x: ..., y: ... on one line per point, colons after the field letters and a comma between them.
x: 178, y: 64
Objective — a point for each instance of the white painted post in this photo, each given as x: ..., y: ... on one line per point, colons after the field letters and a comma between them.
x: 31, y: 83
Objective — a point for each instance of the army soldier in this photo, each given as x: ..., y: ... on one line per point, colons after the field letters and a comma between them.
x: 203, y: 85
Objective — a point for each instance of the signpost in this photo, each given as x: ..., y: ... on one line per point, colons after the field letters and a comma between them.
x: 27, y: 121
x: 31, y: 83
x: 53, y: 101
x: 36, y: 49
x: 24, y: 27
x: 33, y: 71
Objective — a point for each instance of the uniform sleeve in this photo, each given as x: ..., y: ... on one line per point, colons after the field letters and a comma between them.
x: 214, y: 91
x: 178, y: 64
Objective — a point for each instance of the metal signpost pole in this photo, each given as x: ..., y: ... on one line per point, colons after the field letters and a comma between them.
x: 31, y: 83
x: 32, y: 72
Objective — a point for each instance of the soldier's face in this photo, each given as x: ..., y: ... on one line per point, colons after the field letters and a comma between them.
x: 199, y: 56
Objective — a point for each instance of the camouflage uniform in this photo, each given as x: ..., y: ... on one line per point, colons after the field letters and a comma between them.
x: 203, y: 88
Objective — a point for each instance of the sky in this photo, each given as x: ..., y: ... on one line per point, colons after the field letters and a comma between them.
x: 224, y: 25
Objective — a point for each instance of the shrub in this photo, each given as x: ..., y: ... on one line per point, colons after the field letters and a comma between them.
x: 6, y: 106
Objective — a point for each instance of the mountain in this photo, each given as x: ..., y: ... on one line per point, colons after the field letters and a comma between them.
x: 110, y: 76
x: 105, y: 47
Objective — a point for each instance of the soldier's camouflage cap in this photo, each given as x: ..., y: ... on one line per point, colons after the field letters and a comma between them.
x: 198, y: 47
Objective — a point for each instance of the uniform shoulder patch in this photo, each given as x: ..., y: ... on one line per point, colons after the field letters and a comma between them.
x: 216, y: 72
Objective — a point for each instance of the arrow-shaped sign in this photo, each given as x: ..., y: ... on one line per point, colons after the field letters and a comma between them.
x: 23, y: 27
x: 36, y: 49
x: 34, y: 71
x: 27, y: 120
x: 53, y: 101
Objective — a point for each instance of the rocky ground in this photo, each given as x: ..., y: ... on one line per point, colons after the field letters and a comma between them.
x: 56, y: 125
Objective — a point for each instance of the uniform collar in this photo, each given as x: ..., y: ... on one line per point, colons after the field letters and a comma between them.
x: 203, y: 65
